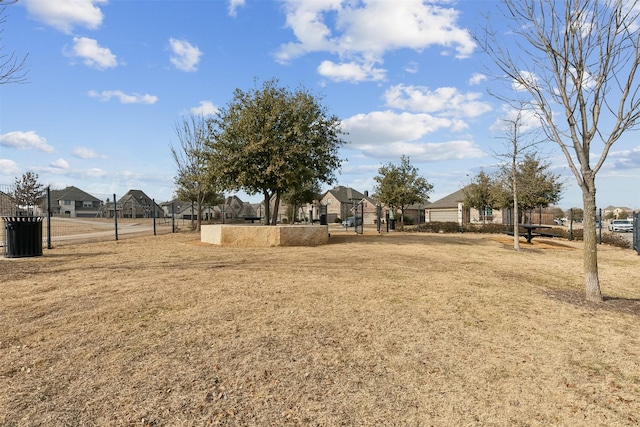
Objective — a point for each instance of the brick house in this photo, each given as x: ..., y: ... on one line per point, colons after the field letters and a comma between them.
x: 341, y: 200
x: 136, y: 204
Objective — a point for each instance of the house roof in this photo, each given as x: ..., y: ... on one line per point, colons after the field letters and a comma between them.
x: 139, y: 196
x: 613, y: 208
x: 421, y: 205
x: 73, y: 193
x: 450, y: 201
x: 347, y: 195
x: 136, y: 194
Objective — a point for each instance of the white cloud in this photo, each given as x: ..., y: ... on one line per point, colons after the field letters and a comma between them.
x: 363, y: 32
x: 627, y: 159
x: 85, y: 153
x: 185, y: 56
x: 477, y: 78
x: 25, y: 141
x: 234, y: 5
x: 9, y: 167
x: 206, y: 108
x: 124, y: 98
x: 352, y: 71
x: 412, y: 67
x: 64, y: 15
x: 384, y: 127
x: 427, y: 151
x: 90, y: 173
x: 59, y: 164
x: 92, y: 54
x: 445, y: 101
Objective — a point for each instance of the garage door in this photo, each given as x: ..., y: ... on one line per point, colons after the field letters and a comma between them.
x: 443, y: 216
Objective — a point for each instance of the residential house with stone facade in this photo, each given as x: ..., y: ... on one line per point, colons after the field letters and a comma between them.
x: 340, y: 202
x: 75, y: 203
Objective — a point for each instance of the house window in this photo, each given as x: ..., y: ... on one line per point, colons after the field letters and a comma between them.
x: 67, y: 202
x: 86, y: 204
x: 487, y: 214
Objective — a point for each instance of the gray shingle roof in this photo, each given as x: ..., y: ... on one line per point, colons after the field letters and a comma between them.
x: 347, y: 194
x: 73, y: 193
x: 450, y: 201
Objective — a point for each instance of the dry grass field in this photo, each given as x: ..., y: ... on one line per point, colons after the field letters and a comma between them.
x: 392, y: 330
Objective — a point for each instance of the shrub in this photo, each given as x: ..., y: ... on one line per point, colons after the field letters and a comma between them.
x: 437, y: 227
x: 613, y: 239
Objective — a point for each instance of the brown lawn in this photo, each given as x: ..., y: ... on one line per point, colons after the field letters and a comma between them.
x: 398, y: 329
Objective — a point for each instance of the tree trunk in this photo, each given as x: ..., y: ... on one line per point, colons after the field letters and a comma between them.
x: 193, y: 226
x: 199, y: 223
x: 516, y: 213
x: 589, y: 233
x: 276, y: 206
x: 267, y: 207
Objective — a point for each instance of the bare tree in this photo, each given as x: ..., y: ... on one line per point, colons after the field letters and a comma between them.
x: 12, y: 67
x: 194, y: 182
x: 519, y: 139
x: 579, y: 57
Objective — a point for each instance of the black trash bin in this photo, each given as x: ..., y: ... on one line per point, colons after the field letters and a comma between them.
x: 22, y: 236
x: 392, y: 224
x: 323, y: 219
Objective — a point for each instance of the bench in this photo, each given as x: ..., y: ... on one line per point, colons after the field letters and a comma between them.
x: 530, y: 234
x: 252, y: 218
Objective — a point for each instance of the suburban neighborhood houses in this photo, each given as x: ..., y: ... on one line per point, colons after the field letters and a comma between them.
x: 333, y: 206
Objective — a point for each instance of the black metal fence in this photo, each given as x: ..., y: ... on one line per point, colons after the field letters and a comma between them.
x: 358, y: 214
x: 636, y: 232
x: 69, y: 219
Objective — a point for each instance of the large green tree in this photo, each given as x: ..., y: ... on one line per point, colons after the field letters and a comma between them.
x: 398, y: 186
x: 270, y: 140
x: 480, y: 194
x: 577, y: 63
x: 536, y: 185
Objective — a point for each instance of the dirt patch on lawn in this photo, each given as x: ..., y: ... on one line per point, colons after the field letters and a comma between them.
x: 610, y: 303
x: 368, y: 330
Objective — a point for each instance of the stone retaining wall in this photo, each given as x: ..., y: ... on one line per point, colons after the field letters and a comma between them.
x: 264, y: 235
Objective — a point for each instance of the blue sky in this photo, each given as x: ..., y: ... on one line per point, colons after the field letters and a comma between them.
x: 109, y: 79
